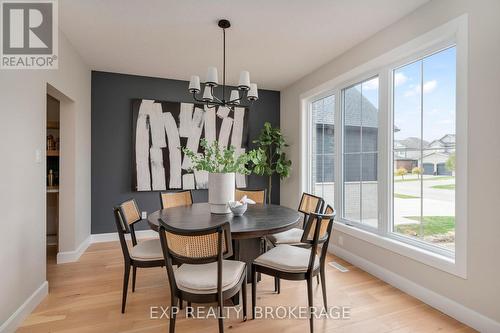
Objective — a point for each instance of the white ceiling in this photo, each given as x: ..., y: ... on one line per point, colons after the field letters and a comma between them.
x: 278, y: 41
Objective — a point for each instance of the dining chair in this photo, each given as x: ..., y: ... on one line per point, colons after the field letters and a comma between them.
x: 296, y: 263
x: 146, y: 253
x: 176, y: 199
x: 309, y: 203
x: 257, y: 195
x: 204, y: 276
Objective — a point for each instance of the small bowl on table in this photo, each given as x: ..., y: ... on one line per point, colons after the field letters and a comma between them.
x: 238, y: 210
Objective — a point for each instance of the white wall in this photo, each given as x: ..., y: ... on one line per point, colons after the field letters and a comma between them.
x: 22, y: 180
x: 481, y: 290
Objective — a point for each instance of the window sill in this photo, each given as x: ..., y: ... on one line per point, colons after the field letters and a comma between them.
x: 426, y: 257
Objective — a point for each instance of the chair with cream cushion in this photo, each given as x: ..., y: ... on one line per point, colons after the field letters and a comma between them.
x: 297, y: 263
x: 204, y: 276
x: 308, y: 204
x: 146, y: 253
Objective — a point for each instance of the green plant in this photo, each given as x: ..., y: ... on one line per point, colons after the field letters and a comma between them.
x: 450, y: 162
x: 217, y: 160
x: 269, y: 157
x: 417, y: 171
x: 401, y: 172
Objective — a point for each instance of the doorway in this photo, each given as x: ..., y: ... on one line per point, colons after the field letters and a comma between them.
x: 52, y: 177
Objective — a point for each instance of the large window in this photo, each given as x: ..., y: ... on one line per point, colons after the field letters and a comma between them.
x: 323, y: 148
x: 424, y: 149
x: 360, y: 153
x: 398, y: 149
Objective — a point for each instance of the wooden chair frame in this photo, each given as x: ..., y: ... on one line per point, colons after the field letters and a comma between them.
x: 317, y: 209
x: 223, y: 233
x: 310, y: 272
x: 124, y: 227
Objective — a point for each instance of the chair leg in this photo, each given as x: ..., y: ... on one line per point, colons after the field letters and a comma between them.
x: 181, y: 303
x: 310, y: 301
x: 323, y: 287
x: 221, y: 310
x: 317, y: 279
x: 134, y: 274
x: 125, y: 285
x: 244, y: 297
x: 277, y: 285
x: 254, y: 289
x: 173, y: 315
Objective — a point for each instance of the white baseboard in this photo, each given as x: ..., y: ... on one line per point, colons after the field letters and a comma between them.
x: 440, y: 302
x: 113, y: 236
x: 72, y: 256
x: 25, y: 309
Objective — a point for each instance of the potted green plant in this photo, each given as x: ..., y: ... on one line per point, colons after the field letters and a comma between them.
x: 221, y: 164
x: 269, y: 157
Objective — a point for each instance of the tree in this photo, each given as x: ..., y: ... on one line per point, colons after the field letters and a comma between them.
x: 417, y: 171
x: 269, y: 158
x: 401, y: 172
x: 450, y: 163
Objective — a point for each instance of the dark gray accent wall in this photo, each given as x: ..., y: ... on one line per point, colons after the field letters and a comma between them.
x: 112, y: 140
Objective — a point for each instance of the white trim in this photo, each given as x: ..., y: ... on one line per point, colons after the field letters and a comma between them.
x: 450, y: 307
x: 454, y: 31
x: 22, y: 312
x: 113, y: 236
x: 72, y: 256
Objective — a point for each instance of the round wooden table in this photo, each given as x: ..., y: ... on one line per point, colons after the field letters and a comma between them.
x: 259, y: 220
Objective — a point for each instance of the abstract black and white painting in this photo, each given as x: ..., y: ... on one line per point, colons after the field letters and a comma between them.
x: 161, y: 128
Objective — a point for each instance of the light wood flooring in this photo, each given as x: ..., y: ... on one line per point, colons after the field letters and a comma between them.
x: 85, y: 297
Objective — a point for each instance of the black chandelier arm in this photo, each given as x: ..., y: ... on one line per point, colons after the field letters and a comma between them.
x: 197, y: 99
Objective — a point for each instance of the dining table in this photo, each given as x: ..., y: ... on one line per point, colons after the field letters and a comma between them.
x: 247, y: 231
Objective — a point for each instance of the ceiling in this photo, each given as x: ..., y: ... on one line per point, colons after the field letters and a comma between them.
x: 278, y: 41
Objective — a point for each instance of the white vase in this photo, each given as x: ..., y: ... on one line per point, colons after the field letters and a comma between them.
x: 220, y: 192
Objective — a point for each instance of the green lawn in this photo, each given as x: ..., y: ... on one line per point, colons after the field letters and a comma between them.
x: 445, y: 187
x: 433, y: 225
x: 404, y: 196
x: 399, y: 180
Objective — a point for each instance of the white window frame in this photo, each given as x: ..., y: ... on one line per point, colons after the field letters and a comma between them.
x: 449, y: 34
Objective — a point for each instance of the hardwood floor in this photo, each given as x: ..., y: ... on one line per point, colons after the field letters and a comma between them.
x: 86, y: 297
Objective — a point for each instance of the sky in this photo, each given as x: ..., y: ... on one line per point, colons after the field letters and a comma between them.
x: 439, y: 72
x: 438, y: 89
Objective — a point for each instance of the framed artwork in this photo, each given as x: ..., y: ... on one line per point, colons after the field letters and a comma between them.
x: 162, y: 128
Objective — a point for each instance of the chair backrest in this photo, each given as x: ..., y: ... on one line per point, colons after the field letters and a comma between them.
x: 322, y: 225
x: 176, y: 199
x: 129, y: 213
x: 259, y: 196
x: 310, y: 228
x: 199, y: 246
x: 310, y: 203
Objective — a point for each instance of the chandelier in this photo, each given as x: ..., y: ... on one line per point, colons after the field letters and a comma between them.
x: 246, y: 91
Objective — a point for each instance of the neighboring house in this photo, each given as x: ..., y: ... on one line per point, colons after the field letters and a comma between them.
x: 435, y: 154
x: 360, y: 113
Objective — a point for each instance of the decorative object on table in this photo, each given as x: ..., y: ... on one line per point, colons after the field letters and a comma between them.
x: 160, y: 128
x: 246, y: 90
x: 269, y: 158
x: 239, y: 207
x: 221, y: 164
